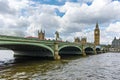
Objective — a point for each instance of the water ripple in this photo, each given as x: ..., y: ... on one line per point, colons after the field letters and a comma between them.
x: 96, y: 67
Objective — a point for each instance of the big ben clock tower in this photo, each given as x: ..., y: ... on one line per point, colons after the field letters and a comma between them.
x: 97, y: 35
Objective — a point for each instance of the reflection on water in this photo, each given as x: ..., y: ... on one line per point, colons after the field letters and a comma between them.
x: 95, y: 67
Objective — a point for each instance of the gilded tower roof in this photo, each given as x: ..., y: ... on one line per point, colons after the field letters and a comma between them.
x: 97, y: 26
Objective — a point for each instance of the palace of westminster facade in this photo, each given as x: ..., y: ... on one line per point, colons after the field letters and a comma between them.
x: 96, y: 37
x: 41, y: 36
x: 115, y: 46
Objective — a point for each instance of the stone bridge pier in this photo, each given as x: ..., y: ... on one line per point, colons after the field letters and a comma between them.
x: 56, y: 51
x: 83, y: 51
x: 79, y: 49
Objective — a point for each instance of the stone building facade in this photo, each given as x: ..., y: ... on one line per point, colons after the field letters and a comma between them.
x: 41, y: 35
x: 82, y: 41
x: 97, y: 35
x: 116, y: 43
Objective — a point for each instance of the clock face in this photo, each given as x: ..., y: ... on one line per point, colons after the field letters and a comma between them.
x: 96, y: 32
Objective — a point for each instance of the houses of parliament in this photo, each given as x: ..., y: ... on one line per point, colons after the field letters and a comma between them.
x: 41, y: 36
x: 96, y: 37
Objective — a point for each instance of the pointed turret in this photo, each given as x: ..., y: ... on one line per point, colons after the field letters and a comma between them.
x: 97, y: 26
x: 41, y: 35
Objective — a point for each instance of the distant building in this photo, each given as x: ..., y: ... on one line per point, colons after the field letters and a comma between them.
x: 82, y: 41
x: 41, y: 35
x: 116, y: 43
x: 97, y: 35
x: 77, y: 40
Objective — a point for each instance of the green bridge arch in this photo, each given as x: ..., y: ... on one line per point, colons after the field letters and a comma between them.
x: 28, y: 44
x: 68, y: 46
x: 89, y: 50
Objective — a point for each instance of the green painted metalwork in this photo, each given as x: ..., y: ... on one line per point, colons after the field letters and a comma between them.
x: 69, y: 46
x: 12, y: 42
x: 48, y: 44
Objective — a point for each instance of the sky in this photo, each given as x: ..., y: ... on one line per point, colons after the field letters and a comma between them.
x: 71, y: 18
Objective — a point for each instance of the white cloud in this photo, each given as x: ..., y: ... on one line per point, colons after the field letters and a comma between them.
x: 84, y: 1
x: 28, y: 16
x: 12, y: 23
x: 114, y: 27
x: 43, y: 17
x: 19, y: 4
x: 98, y: 11
x: 5, y: 8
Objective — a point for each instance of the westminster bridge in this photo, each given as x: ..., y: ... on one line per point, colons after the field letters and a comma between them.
x: 46, y: 48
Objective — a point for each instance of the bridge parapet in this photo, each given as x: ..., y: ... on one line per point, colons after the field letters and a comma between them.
x: 26, y: 40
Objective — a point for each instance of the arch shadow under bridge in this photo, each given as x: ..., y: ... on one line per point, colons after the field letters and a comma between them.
x: 29, y: 49
x: 70, y: 49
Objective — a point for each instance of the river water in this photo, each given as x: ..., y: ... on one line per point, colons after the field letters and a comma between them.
x: 104, y: 66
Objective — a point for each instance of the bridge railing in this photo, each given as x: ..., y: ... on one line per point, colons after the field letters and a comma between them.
x: 22, y: 39
x: 36, y: 40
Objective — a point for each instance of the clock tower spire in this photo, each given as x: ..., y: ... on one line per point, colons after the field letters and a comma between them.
x: 97, y: 35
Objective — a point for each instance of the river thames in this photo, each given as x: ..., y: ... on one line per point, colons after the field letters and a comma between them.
x: 104, y: 66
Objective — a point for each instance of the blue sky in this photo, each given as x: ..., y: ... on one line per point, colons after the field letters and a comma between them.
x: 72, y: 18
x: 51, y: 2
x: 54, y: 2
